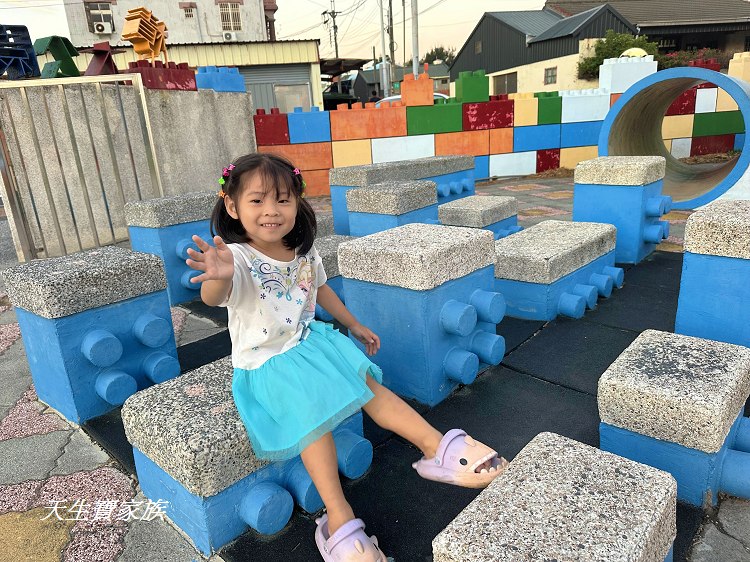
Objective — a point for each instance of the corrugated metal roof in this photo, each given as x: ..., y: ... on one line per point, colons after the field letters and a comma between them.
x: 663, y: 12
x: 568, y: 26
x: 530, y: 22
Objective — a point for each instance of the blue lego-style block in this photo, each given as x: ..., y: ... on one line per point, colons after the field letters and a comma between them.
x: 362, y: 224
x: 580, y: 134
x: 739, y: 141
x: 263, y: 500
x: 220, y: 79
x: 337, y: 284
x: 700, y: 476
x: 635, y: 211
x: 714, y: 301
x: 86, y: 364
x: 536, y: 137
x: 450, y: 187
x: 569, y: 296
x: 309, y: 126
x: 505, y: 227
x: 481, y: 167
x: 446, y: 332
x: 170, y: 243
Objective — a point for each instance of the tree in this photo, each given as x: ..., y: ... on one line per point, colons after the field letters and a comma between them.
x: 439, y: 53
x: 611, y: 47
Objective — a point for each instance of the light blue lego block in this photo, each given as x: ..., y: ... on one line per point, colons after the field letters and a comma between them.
x: 580, y: 134
x: 739, y: 141
x: 362, y: 224
x: 262, y: 500
x: 309, y: 126
x: 446, y: 332
x: 700, y: 476
x: 87, y: 364
x: 714, y: 301
x: 505, y: 227
x: 481, y: 167
x: 337, y: 284
x: 170, y: 243
x: 536, y: 137
x: 220, y: 79
x: 635, y: 211
x: 570, y: 295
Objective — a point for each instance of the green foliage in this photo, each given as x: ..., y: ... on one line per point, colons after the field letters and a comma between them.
x: 439, y: 53
x: 612, y: 46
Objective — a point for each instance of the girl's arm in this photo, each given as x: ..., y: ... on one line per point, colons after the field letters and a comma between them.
x: 333, y: 305
x: 217, y: 266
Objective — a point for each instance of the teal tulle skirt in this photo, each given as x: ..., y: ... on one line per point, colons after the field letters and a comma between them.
x: 296, y: 397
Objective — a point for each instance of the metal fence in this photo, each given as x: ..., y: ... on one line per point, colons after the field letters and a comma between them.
x: 72, y: 152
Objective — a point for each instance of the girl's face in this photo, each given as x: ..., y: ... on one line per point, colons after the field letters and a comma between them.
x: 265, y: 216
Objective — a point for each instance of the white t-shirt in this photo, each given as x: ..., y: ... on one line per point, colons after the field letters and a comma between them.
x: 271, y: 303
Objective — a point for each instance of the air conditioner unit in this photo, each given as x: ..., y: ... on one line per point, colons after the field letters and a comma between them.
x: 230, y: 36
x: 103, y: 28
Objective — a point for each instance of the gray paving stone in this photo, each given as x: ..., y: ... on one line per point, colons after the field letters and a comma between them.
x: 15, y: 377
x: 400, y: 170
x: 734, y: 517
x: 720, y: 229
x: 477, y: 211
x: 197, y: 328
x: 168, y: 211
x: 8, y: 317
x: 715, y: 546
x: 30, y: 458
x: 80, y: 454
x: 392, y: 198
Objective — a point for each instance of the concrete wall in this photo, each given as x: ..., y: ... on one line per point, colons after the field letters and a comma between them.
x: 195, y: 135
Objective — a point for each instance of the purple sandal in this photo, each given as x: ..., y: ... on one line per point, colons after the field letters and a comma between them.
x: 348, y: 544
x: 458, y: 459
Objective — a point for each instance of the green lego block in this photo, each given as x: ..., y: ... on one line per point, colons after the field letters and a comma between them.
x: 550, y: 111
x: 719, y: 123
x: 547, y: 94
x: 439, y: 118
x: 472, y: 87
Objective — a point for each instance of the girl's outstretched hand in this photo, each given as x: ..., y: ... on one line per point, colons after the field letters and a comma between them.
x: 216, y: 262
x: 367, y: 337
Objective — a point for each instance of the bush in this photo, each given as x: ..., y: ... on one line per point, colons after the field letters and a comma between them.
x: 681, y: 58
x: 612, y: 46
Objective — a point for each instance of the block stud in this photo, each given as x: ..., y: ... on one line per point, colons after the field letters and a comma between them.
x: 114, y: 387
x: 572, y: 305
x: 182, y: 246
x: 301, y: 486
x: 461, y: 366
x: 443, y: 189
x: 266, y: 507
x: 160, y: 367
x: 455, y: 187
x: 653, y: 234
x: 490, y: 348
x: 490, y: 306
x: 742, y: 440
x: 101, y: 347
x: 589, y: 294
x: 603, y: 284
x: 616, y: 273
x: 458, y: 318
x: 151, y: 330
x: 655, y: 206
x: 735, y: 474
x: 185, y: 279
x: 353, y: 453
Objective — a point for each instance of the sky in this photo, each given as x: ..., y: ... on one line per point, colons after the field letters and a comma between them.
x: 441, y: 22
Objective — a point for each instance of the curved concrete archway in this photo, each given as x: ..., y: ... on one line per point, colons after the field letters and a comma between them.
x: 633, y: 128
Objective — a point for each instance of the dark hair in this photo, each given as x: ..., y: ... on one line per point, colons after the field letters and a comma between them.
x: 280, y: 177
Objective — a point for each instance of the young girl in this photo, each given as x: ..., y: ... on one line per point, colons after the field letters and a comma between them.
x: 295, y: 379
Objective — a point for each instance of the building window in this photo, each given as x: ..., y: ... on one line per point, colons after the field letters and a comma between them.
x: 550, y: 75
x: 189, y: 12
x: 230, y: 17
x: 477, y: 47
x: 99, y: 17
x: 747, y: 43
x: 505, y: 83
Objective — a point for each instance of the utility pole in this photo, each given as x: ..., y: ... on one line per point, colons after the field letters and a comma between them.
x: 403, y: 24
x: 384, y: 79
x: 332, y: 13
x: 374, y: 69
x: 392, y: 45
x: 414, y: 38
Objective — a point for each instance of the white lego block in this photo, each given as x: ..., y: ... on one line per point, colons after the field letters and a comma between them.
x: 705, y: 100
x: 513, y: 164
x: 393, y: 149
x: 585, y: 105
x: 617, y: 75
x: 681, y: 148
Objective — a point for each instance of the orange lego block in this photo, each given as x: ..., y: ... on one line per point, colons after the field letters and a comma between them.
x: 368, y: 123
x: 308, y: 156
x: 417, y: 92
x: 317, y: 183
x: 613, y: 98
x: 469, y: 143
x: 570, y: 157
x: 501, y: 140
x: 352, y: 153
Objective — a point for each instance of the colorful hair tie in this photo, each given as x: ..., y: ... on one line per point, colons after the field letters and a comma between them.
x: 296, y: 171
x: 221, y: 193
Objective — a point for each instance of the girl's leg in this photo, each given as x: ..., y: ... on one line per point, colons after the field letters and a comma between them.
x: 391, y: 412
x: 319, y: 459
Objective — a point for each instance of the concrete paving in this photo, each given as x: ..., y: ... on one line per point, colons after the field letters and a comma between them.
x: 43, y: 458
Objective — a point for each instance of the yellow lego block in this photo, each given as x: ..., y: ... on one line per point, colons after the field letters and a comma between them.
x: 725, y: 102
x: 352, y: 153
x: 739, y: 66
x: 668, y: 145
x: 570, y: 157
x: 526, y: 112
x: 677, y: 126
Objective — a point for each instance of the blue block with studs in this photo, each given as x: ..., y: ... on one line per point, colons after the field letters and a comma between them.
x: 309, y: 126
x: 220, y: 79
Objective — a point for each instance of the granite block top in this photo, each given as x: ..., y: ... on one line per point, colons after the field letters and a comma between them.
x: 676, y: 388
x: 621, y: 170
x: 328, y: 248
x: 416, y: 256
x: 392, y: 198
x: 168, y: 211
x: 401, y: 170
x: 58, y: 287
x: 477, y: 211
x: 547, y: 251
x: 325, y: 224
x: 190, y: 427
x: 720, y: 229
x: 563, y: 500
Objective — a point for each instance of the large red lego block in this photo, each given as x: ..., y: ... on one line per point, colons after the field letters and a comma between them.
x: 684, y: 104
x: 710, y: 64
x: 271, y: 129
x: 156, y: 76
x: 547, y: 160
x: 488, y: 115
x: 307, y: 156
x: 417, y: 92
x: 470, y: 143
x: 370, y: 122
x: 715, y: 144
